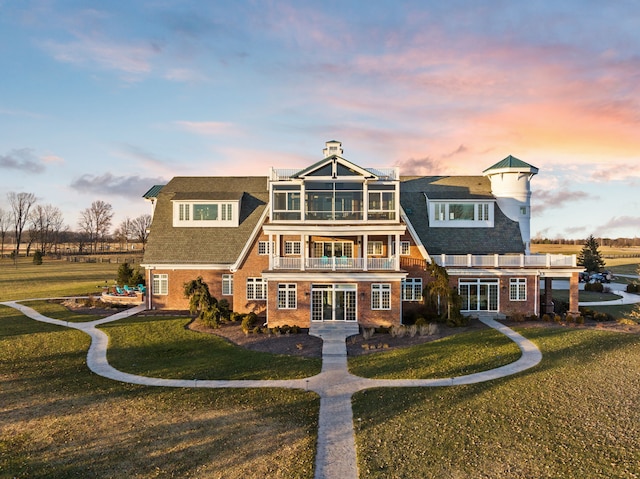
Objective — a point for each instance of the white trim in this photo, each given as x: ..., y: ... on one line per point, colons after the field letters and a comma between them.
x: 295, y: 276
x: 247, y: 246
x: 182, y: 266
x: 333, y: 229
x: 415, y: 237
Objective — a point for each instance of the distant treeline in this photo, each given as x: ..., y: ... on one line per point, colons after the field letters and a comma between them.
x: 615, y: 242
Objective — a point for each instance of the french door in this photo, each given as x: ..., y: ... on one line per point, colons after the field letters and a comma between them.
x: 479, y: 294
x: 333, y: 302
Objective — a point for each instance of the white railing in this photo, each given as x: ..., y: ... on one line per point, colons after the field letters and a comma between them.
x: 283, y: 174
x: 333, y: 263
x: 506, y: 260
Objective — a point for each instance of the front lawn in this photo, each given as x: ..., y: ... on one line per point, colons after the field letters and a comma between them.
x: 575, y: 415
x: 457, y: 355
x: 162, y: 347
x: 59, y: 420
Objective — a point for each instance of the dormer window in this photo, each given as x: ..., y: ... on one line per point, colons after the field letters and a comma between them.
x: 461, y: 214
x: 205, y: 213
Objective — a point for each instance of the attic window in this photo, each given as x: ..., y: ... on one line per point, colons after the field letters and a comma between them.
x: 468, y: 214
x: 205, y: 213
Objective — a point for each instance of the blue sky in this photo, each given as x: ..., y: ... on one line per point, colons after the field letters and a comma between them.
x: 101, y: 100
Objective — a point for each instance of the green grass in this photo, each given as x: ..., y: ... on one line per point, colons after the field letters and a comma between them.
x: 53, y: 278
x: 162, y: 347
x: 575, y: 415
x: 57, y: 419
x: 456, y: 355
x: 625, y: 269
x: 55, y: 310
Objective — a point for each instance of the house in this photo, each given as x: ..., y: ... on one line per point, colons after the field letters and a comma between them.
x: 339, y: 242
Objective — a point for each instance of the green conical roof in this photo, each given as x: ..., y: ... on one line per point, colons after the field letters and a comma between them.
x: 512, y: 162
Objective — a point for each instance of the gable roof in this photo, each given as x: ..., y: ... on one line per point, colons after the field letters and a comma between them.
x: 330, y: 160
x: 503, y: 238
x: 205, y: 245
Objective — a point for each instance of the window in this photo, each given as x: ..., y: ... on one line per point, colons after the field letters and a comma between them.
x: 256, y: 288
x: 264, y: 249
x: 412, y: 289
x: 405, y: 247
x: 331, y: 249
x: 333, y: 201
x: 374, y: 248
x: 518, y: 289
x: 463, y: 214
x: 227, y: 284
x: 205, y: 214
x: 286, y: 205
x: 483, y: 211
x: 292, y: 247
x: 381, y: 296
x: 382, y: 205
x: 523, y: 210
x: 287, y: 296
x: 161, y: 284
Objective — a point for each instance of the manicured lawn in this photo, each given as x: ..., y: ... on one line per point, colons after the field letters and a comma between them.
x: 53, y: 278
x: 57, y: 419
x: 575, y: 415
x: 163, y: 347
x: 456, y: 355
x: 55, y: 310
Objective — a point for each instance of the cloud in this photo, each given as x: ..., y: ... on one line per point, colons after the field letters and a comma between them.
x: 52, y: 159
x: 622, y: 222
x: 556, y: 199
x: 23, y: 160
x: 420, y: 167
x: 110, y: 185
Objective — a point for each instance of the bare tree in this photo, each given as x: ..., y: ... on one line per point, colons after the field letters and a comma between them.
x: 124, y: 232
x: 21, y: 204
x: 46, y: 225
x: 141, y: 226
x: 5, y: 223
x: 95, y: 221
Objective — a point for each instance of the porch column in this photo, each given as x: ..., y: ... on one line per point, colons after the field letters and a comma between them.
x: 574, y: 293
x: 303, y: 250
x: 396, y: 260
x: 271, y: 252
x: 365, y: 241
x: 548, y: 298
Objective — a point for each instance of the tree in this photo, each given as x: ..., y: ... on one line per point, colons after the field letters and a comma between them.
x: 46, y: 225
x: 141, y: 226
x: 201, y: 303
x: 124, y: 232
x: 21, y: 204
x: 590, y: 257
x: 5, y: 223
x: 95, y: 221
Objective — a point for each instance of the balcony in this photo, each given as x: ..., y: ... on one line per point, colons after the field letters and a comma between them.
x: 333, y: 264
x: 506, y: 261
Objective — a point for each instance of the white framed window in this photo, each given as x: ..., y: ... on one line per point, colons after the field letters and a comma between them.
x: 382, y: 205
x: 374, y: 248
x: 199, y: 214
x: 405, y: 247
x: 160, y: 284
x: 518, y: 289
x: 256, y: 288
x: 381, y: 296
x: 412, y: 289
x: 462, y: 214
x: 483, y: 212
x: 286, y: 205
x: 287, y: 296
x: 292, y: 247
x: 265, y: 247
x: 227, y: 284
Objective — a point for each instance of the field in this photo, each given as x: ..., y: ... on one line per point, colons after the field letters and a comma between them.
x: 614, y: 256
x: 575, y: 415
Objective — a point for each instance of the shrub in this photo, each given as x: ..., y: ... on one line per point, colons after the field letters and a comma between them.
x: 517, y: 317
x: 224, y: 309
x: 412, y: 330
x: 458, y: 321
x: 557, y: 318
x: 546, y: 317
x: 421, y: 321
x: 633, y: 288
x: 233, y: 316
x: 210, y: 318
x: 37, y: 257
x: 249, y: 322
x: 367, y: 333
x: 602, y: 317
x: 580, y: 319
x: 596, y: 287
x: 398, y: 331
x: 627, y: 322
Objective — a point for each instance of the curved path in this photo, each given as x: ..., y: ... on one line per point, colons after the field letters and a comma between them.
x: 336, y: 450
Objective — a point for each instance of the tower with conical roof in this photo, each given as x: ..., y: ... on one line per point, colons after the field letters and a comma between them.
x: 511, y: 186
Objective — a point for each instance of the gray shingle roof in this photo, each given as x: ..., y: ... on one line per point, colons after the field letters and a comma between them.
x: 169, y: 245
x: 504, y: 238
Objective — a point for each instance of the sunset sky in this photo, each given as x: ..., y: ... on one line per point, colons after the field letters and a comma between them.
x: 102, y: 100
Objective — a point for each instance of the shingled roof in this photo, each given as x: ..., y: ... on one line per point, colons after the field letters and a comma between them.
x: 208, y: 245
x: 504, y: 238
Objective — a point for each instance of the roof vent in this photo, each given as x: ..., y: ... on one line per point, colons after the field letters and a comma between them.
x: 332, y: 147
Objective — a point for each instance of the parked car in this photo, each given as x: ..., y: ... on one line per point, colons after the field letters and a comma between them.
x: 583, y: 277
x: 602, y: 277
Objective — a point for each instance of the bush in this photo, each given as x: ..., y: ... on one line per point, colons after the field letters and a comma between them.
x: 557, y: 318
x: 580, y: 319
x: 631, y: 288
x: 37, y: 257
x: 602, y: 317
x: 596, y: 287
x: 458, y: 321
x: 421, y: 322
x: 546, y: 318
x: 249, y: 322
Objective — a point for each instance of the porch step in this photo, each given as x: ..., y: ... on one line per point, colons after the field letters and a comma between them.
x: 326, y: 329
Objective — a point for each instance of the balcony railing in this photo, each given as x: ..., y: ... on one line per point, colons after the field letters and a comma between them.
x: 334, y: 263
x: 506, y: 261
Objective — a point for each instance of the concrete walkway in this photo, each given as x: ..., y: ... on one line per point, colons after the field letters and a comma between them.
x: 336, y: 449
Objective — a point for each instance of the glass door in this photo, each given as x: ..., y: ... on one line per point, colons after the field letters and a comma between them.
x: 333, y: 302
